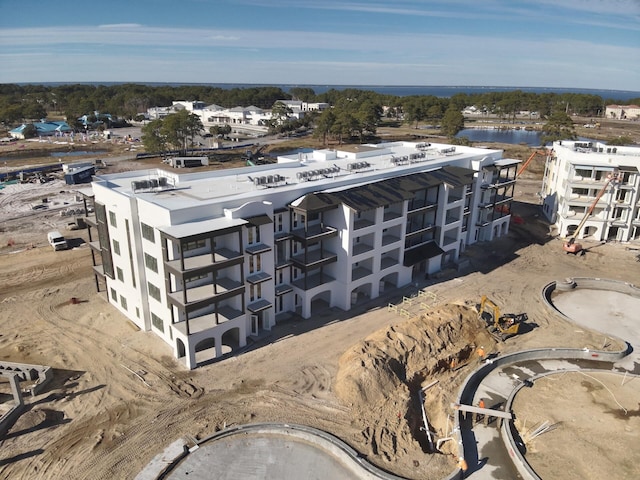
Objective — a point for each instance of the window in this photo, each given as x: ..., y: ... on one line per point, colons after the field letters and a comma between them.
x: 154, y: 292
x: 255, y: 292
x: 253, y: 235
x: 151, y: 262
x: 157, y: 322
x: 123, y: 302
x: 116, y: 247
x: 120, y: 274
x: 277, y: 225
x: 255, y: 263
x: 114, y: 295
x: 112, y: 219
x: 147, y: 232
x: 137, y: 312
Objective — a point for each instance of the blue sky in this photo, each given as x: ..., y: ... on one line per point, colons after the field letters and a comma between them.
x: 542, y: 43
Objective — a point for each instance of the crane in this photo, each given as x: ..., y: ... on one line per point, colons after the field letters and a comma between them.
x: 542, y: 153
x: 569, y: 245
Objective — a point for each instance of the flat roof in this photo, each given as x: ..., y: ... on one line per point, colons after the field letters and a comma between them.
x: 329, y: 169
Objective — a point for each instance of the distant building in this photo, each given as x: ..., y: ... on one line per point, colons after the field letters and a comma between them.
x: 43, y: 129
x: 299, y: 108
x: 574, y: 176
x: 623, y: 112
x: 209, y: 260
x: 100, y: 119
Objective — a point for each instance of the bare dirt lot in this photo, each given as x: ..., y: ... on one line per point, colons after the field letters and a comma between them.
x: 118, y: 396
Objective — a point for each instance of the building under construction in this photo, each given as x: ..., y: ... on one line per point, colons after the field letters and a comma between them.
x: 595, y: 187
x: 207, y: 260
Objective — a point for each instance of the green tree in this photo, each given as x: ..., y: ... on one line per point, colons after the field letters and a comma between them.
x: 434, y: 112
x: 324, y: 125
x: 452, y: 122
x: 153, y: 138
x: 34, y: 111
x: 280, y: 114
x: 559, y: 126
x: 180, y: 128
x: 30, y: 131
x: 368, y: 117
x: 223, y: 130
x: 344, y: 126
x: 414, y: 111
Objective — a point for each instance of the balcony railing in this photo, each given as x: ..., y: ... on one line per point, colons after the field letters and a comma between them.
x: 221, y: 257
x: 205, y: 294
x: 314, y: 233
x: 208, y: 321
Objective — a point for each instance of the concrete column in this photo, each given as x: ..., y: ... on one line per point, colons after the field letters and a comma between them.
x: 15, y: 389
x: 191, y: 356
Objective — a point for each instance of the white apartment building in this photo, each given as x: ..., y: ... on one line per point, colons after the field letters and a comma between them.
x: 574, y: 176
x: 300, y: 108
x: 209, y: 260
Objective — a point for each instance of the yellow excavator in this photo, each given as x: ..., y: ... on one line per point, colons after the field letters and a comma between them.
x: 499, y: 326
x: 570, y: 245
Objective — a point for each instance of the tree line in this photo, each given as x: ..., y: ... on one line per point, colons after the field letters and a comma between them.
x: 354, y: 113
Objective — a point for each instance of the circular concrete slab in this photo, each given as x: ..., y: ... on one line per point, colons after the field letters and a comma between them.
x: 256, y: 455
x: 606, y: 306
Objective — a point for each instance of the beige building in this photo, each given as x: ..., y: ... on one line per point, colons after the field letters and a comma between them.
x: 623, y: 112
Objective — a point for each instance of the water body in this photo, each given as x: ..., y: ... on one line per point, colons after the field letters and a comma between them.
x: 516, y: 137
x: 442, y: 91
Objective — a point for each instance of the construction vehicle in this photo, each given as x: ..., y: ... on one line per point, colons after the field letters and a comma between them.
x: 500, y: 327
x: 570, y: 245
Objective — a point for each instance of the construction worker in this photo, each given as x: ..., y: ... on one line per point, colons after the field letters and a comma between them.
x: 481, y: 353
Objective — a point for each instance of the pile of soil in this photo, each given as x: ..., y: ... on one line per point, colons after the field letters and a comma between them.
x: 380, y: 379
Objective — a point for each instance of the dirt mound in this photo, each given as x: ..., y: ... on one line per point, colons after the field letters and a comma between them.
x: 379, y: 378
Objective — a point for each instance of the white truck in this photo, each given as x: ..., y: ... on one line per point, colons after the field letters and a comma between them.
x: 57, y: 240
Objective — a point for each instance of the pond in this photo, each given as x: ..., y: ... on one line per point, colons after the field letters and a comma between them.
x: 516, y: 137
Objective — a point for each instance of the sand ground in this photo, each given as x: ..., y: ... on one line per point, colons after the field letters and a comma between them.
x: 118, y: 396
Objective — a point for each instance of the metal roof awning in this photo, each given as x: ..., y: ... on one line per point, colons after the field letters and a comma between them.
x: 257, y: 248
x: 258, y: 278
x: 423, y: 252
x: 627, y: 168
x: 259, y: 220
x: 259, y: 306
x: 282, y: 289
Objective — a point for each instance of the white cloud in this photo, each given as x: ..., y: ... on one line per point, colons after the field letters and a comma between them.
x: 120, y: 25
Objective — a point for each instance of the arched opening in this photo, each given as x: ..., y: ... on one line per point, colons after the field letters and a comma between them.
x: 320, y: 302
x: 230, y: 340
x: 182, y: 351
x: 388, y: 282
x: 205, y: 350
x: 361, y: 294
x: 590, y: 231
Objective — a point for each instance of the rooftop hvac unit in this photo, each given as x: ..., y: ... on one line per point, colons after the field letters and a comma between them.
x: 263, y: 180
x: 256, y: 181
x: 269, y: 178
x: 163, y: 181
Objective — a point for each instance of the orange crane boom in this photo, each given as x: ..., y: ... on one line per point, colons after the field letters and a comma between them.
x: 570, y: 246
x: 542, y: 153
